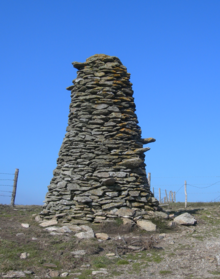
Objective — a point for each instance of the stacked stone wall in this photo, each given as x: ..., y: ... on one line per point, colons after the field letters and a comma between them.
x: 101, y: 166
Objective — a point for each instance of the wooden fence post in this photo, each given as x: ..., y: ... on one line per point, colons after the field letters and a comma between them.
x: 166, y: 195
x: 159, y: 196
x: 185, y: 196
x: 14, y: 187
x: 149, y: 179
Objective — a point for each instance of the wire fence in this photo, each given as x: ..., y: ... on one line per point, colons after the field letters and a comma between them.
x: 6, y: 181
x: 8, y: 185
x: 182, y: 190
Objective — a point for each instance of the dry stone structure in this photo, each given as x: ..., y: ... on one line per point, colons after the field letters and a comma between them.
x: 100, y: 171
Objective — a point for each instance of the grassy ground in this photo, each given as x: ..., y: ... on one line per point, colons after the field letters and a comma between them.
x: 53, y: 252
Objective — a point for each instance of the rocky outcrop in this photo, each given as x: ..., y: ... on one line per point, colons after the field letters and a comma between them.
x: 101, y: 161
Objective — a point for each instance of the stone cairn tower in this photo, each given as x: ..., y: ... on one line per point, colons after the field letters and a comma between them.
x: 100, y: 172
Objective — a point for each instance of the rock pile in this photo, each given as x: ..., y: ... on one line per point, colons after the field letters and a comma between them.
x: 101, y: 161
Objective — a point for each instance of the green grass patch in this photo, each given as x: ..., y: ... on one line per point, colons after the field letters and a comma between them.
x: 138, y: 266
x: 85, y: 274
x: 215, y: 272
x: 165, y: 272
x: 102, y: 262
x: 118, y: 221
x: 120, y: 262
x: 201, y: 238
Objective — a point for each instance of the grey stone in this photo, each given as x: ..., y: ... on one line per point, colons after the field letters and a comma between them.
x: 134, y: 193
x: 102, y: 174
x: 108, y: 182
x: 118, y: 174
x: 24, y: 255
x: 62, y: 184
x: 96, y: 192
x: 146, y: 225
x: 87, y: 232
x: 82, y: 199
x: 185, y: 219
x: 64, y: 274
x: 24, y: 225
x: 131, y: 163
x: 102, y: 236
x: 101, y: 106
x: 113, y: 205
x: 125, y: 212
x: 14, y: 274
x: 79, y: 253
x: 20, y: 234
x: 48, y: 223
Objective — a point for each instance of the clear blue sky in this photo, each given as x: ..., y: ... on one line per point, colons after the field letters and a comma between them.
x: 172, y: 50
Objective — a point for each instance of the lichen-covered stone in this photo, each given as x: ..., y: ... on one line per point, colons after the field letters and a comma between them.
x: 101, y: 160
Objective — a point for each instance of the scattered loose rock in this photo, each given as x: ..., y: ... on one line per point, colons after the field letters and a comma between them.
x: 24, y: 225
x: 24, y: 255
x: 14, y: 274
x: 78, y: 253
x: 54, y: 273
x: 99, y: 272
x: 102, y: 236
x: 185, y: 219
x: 20, y: 234
x: 87, y: 232
x: 48, y: 223
x: 146, y: 225
x: 64, y: 274
x: 127, y: 221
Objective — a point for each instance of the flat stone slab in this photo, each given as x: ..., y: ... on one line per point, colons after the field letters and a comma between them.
x: 102, y: 236
x: 63, y: 229
x: 49, y: 223
x: 185, y: 219
x: 14, y: 274
x: 147, y: 225
x: 86, y: 233
x: 78, y: 253
x: 125, y: 212
x: 26, y: 226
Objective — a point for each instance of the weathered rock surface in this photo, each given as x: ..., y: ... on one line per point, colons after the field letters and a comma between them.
x: 102, y: 236
x: 78, y: 253
x: 48, y: 223
x: 146, y: 225
x: 101, y: 160
x: 24, y: 255
x: 24, y: 225
x: 86, y: 233
x: 185, y: 219
x: 14, y: 274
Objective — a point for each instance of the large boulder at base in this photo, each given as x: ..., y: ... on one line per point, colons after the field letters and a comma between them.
x: 185, y: 219
x: 147, y: 225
